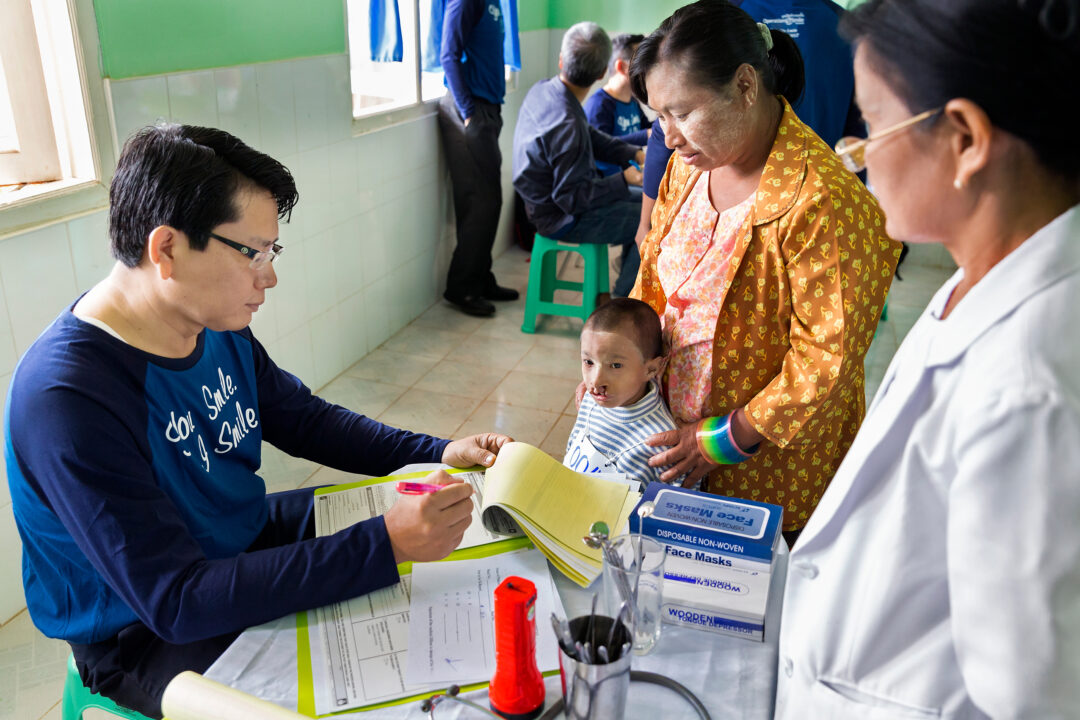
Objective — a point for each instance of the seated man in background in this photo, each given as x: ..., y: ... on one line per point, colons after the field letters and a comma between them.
x: 134, y: 432
x: 555, y: 154
x: 613, y: 109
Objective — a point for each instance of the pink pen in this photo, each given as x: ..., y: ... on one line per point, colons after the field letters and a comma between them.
x: 415, y: 488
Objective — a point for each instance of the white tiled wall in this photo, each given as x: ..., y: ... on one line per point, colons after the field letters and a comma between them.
x: 367, y: 248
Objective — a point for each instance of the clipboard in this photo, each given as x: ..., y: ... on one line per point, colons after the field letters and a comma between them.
x: 305, y: 676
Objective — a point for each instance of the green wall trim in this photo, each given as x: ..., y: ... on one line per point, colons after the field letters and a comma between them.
x: 533, y: 15
x: 617, y: 16
x: 151, y: 37
x: 637, y: 16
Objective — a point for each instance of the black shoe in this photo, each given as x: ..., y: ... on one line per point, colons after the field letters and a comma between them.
x: 499, y: 293
x: 473, y: 305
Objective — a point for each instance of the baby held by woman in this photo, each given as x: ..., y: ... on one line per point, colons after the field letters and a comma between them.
x: 622, y: 359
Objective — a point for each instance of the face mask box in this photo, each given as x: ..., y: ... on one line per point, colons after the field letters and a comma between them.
x: 719, y: 562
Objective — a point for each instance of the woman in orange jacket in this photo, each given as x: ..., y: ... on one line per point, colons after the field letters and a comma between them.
x: 768, y: 262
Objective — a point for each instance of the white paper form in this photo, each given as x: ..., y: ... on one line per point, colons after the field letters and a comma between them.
x: 359, y: 647
x: 339, y: 509
x: 364, y: 645
x: 452, y: 633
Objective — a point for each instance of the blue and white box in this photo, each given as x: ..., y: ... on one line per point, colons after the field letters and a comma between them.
x: 736, y: 528
x: 719, y: 561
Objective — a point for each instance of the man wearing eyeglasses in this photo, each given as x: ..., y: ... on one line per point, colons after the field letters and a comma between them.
x: 134, y: 430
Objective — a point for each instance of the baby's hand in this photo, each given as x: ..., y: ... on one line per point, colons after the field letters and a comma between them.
x: 579, y: 394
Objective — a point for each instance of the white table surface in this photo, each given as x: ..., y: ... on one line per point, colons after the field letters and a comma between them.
x: 732, y: 676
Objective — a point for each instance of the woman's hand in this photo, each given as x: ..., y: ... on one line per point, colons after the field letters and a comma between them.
x: 684, y: 457
x: 475, y: 450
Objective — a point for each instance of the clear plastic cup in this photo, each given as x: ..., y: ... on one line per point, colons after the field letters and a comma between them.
x: 634, y: 575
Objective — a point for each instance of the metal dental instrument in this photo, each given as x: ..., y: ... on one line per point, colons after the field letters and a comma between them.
x: 429, y: 704
x: 562, y: 632
x: 589, y: 637
x: 644, y: 510
x: 614, y: 624
x: 598, y: 539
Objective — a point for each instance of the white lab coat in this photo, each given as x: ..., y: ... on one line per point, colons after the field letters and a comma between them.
x: 940, y: 574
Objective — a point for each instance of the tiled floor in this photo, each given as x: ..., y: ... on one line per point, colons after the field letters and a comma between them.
x: 447, y: 374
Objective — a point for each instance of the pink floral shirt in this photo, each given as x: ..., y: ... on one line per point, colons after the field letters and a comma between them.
x: 691, y: 266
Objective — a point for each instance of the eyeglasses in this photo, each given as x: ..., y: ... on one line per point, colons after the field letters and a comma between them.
x: 259, y: 258
x: 852, y: 150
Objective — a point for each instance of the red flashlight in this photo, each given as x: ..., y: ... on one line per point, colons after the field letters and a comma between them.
x: 517, y: 689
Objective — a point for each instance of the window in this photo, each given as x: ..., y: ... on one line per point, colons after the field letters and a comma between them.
x: 382, y: 86
x: 44, y: 132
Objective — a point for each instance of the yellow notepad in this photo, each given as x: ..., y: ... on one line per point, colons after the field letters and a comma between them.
x: 554, y: 506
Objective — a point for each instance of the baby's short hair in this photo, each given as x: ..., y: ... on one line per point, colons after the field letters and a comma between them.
x: 632, y: 318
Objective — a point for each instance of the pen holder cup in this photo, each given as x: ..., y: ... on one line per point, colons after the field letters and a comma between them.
x: 595, y: 691
x: 634, y: 576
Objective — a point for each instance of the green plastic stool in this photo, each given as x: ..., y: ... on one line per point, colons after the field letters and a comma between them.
x: 543, y: 280
x: 78, y: 698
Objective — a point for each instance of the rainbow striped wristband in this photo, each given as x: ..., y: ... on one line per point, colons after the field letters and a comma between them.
x: 716, y: 444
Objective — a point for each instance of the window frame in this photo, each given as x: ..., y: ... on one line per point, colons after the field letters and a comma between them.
x: 36, y: 158
x: 66, y: 199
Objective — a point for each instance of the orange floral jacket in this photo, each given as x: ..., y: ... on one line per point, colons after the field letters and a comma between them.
x: 808, y: 280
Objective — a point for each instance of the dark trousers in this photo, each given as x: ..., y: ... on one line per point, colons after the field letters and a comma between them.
x: 476, y: 176
x: 614, y: 224
x: 134, y: 667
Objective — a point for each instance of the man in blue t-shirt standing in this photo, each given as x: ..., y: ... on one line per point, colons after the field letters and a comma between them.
x: 470, y: 121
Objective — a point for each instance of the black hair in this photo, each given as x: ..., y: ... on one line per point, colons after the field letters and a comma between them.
x: 638, y: 316
x: 1016, y: 59
x: 711, y: 39
x: 622, y: 48
x: 186, y: 177
x: 585, y: 52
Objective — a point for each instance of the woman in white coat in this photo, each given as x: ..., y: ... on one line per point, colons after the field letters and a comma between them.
x: 940, y: 574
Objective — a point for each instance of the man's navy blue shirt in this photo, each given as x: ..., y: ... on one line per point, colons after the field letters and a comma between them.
x: 555, y: 154
x: 830, y: 78
x: 135, y: 490
x: 472, y: 52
